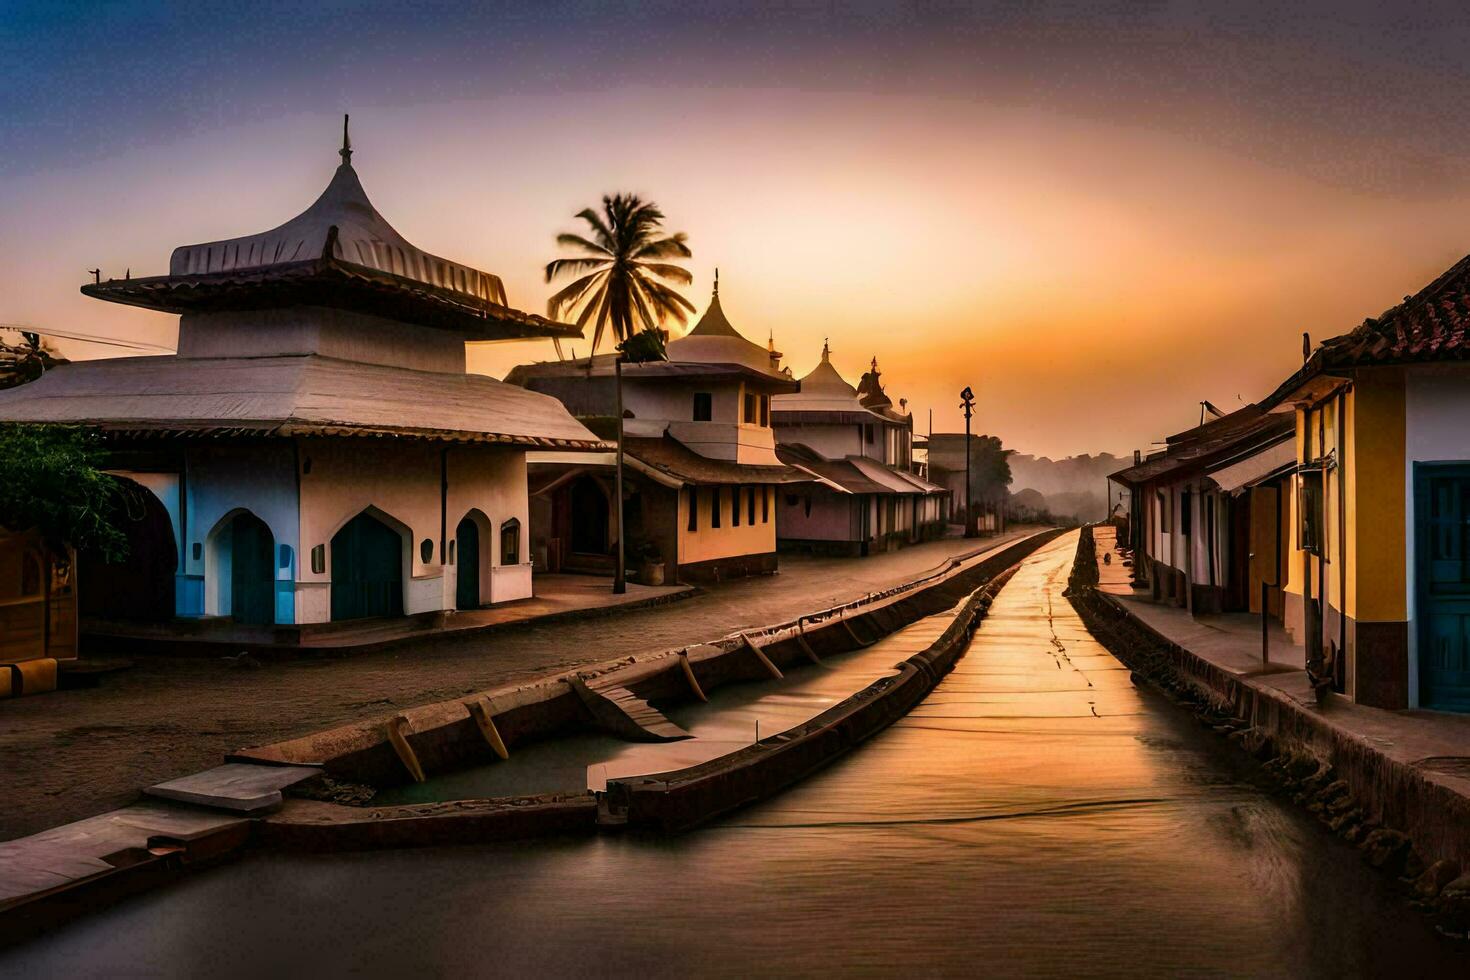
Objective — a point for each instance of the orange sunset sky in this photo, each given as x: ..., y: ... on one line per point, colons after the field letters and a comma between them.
x: 1095, y: 215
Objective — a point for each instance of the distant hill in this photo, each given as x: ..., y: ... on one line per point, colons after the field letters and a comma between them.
x: 1072, y: 487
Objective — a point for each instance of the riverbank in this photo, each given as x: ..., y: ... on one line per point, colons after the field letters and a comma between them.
x: 1396, y: 784
x: 1038, y: 814
x: 78, y: 753
x: 54, y: 876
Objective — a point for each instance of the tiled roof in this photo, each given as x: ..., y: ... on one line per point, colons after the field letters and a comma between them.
x: 1229, y: 436
x: 1431, y: 325
x: 674, y: 459
x: 287, y: 395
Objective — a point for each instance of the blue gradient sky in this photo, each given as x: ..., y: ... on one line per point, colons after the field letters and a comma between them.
x: 1026, y: 198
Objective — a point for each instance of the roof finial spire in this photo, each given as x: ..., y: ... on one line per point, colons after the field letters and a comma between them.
x: 717, y: 280
x: 771, y: 340
x: 826, y: 350
x: 875, y: 363
x: 346, y: 151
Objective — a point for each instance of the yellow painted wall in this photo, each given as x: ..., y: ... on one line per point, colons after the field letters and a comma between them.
x: 708, y: 543
x: 1289, y: 524
x: 1377, y: 573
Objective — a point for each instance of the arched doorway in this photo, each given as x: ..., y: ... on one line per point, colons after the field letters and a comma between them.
x: 589, y: 517
x: 367, y: 569
x: 252, y: 570
x: 141, y: 585
x: 467, y: 563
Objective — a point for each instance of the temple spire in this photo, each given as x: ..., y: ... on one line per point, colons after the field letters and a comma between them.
x: 346, y: 151
x: 826, y: 351
x: 717, y: 280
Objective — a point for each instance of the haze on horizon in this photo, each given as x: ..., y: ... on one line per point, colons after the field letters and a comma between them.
x: 1039, y: 201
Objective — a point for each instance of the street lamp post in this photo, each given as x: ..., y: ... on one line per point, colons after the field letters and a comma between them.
x: 967, y: 402
x: 620, y: 579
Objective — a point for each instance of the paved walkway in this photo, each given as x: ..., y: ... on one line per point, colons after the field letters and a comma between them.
x: 73, y: 754
x: 1432, y: 741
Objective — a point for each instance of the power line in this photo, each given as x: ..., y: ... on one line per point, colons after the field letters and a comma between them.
x: 90, y: 338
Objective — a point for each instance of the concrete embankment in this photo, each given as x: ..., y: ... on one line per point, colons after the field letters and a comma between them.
x: 56, y: 876
x: 676, y: 801
x: 452, y: 735
x: 1408, y: 819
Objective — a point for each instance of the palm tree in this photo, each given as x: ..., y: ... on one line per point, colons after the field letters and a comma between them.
x: 621, y: 270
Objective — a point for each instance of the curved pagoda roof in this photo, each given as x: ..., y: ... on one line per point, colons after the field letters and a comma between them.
x: 714, y: 341
x: 339, y: 252
x: 825, y: 396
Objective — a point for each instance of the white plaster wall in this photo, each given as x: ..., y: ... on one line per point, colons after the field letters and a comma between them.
x: 492, y: 480
x: 673, y: 401
x: 348, y: 476
x: 1436, y: 430
x: 835, y: 441
x: 223, y: 480
x: 318, y: 330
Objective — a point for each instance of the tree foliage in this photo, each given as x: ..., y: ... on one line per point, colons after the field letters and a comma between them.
x: 26, y: 360
x: 51, y: 480
x: 623, y: 270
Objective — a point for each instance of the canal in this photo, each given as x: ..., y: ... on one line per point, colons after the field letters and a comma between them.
x: 1037, y: 815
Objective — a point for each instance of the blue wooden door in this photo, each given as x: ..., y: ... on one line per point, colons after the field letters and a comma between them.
x: 1442, y: 513
x: 367, y: 570
x: 467, y: 561
x: 252, y: 571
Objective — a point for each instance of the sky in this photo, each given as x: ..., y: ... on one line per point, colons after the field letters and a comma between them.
x: 1095, y: 215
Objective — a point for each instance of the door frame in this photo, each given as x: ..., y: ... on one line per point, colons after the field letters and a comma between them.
x: 1422, y: 473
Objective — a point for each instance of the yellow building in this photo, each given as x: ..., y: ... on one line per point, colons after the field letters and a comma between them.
x: 1378, y: 584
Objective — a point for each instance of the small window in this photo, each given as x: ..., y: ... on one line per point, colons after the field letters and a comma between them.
x: 693, y: 509
x: 766, y: 410
x: 510, y: 542
x: 319, y: 559
x: 868, y: 433
x: 1163, y: 511
x: 714, y: 506
x: 284, y: 558
x: 1186, y: 514
x: 426, y: 551
x: 792, y: 500
x: 704, y: 406
x: 735, y: 506
x: 808, y: 505
x: 766, y: 494
x: 1309, y: 511
x: 198, y: 550
x: 750, y: 503
x: 750, y: 407
x: 452, y: 543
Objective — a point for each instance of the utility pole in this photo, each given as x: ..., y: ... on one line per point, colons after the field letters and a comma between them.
x: 620, y: 573
x: 967, y: 402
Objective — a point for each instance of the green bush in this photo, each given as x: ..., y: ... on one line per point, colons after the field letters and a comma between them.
x: 51, y: 480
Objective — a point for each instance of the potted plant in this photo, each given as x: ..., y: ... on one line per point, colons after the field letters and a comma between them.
x: 648, y: 563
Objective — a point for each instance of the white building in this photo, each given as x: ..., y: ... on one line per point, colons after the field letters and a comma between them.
x: 315, y: 452
x: 701, y: 457
x: 858, y: 452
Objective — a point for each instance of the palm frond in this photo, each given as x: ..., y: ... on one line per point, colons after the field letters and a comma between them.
x: 675, y: 272
x: 614, y: 284
x: 557, y: 267
x: 665, y: 248
x: 569, y: 240
x: 570, y: 296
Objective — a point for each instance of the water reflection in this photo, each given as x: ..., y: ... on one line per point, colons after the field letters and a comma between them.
x: 1037, y: 816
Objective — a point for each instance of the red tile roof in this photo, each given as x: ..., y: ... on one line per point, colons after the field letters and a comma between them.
x: 1429, y: 326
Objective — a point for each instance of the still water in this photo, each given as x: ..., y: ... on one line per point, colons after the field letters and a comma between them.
x: 1037, y: 816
